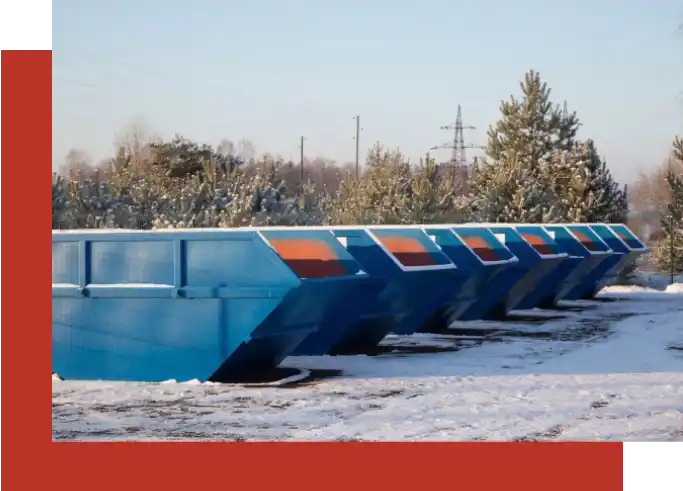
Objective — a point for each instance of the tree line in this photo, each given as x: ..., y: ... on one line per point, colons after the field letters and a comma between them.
x: 536, y: 169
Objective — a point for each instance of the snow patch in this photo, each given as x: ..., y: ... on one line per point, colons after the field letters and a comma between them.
x: 675, y: 288
x: 624, y: 385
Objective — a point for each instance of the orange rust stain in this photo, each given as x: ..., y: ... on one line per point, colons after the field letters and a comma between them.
x: 407, y: 250
x: 481, y: 248
x: 538, y: 243
x: 309, y: 258
x: 585, y: 240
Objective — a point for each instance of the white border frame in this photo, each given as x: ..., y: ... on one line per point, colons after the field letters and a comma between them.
x: 445, y: 226
x: 360, y: 272
x: 611, y: 226
x: 566, y: 227
x: 436, y: 267
x: 514, y: 226
x: 513, y: 260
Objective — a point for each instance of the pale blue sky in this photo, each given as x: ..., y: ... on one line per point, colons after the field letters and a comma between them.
x: 271, y: 71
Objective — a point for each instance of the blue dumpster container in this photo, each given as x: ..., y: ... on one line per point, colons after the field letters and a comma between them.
x: 193, y: 304
x: 418, y: 277
x: 581, y: 240
x: 539, y: 256
x: 627, y: 248
x: 490, y: 267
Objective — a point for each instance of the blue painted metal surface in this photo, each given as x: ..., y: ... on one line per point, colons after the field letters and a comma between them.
x: 599, y: 250
x: 490, y: 267
x: 541, y: 259
x: 587, y: 255
x: 626, y: 248
x: 217, y: 305
x: 418, y: 277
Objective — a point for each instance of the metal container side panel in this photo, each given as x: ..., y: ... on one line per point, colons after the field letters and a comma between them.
x: 402, y: 308
x: 455, y: 249
x: 580, y: 277
x: 350, y: 300
x: 430, y: 291
x: 618, y: 245
x: 364, y: 249
x: 237, y: 275
x: 473, y: 293
x: 65, y: 262
x: 628, y: 237
x: 524, y: 251
x: 610, y: 238
x: 335, y: 287
x: 562, y: 277
x: 577, y: 240
x: 601, y: 272
x: 627, y: 260
x: 496, y: 290
x: 176, y: 259
x: 480, y: 292
x: 402, y: 257
x: 145, y: 340
x: 539, y: 239
x: 589, y: 239
x: 526, y: 288
x: 553, y: 281
x: 604, y: 265
x: 486, y: 246
x: 568, y: 243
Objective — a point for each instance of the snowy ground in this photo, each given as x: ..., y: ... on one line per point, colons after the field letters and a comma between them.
x: 604, y: 370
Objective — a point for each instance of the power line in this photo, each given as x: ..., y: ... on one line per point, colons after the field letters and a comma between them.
x: 458, y: 165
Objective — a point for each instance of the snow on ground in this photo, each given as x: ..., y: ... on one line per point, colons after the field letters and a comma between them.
x: 600, y: 370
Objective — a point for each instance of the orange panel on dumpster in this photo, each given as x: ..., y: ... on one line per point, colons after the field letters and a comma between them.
x: 481, y: 248
x: 407, y: 251
x: 586, y: 241
x: 538, y: 243
x: 309, y: 258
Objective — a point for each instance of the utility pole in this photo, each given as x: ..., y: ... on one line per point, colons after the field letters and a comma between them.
x: 357, y: 147
x: 672, y: 231
x: 301, y: 161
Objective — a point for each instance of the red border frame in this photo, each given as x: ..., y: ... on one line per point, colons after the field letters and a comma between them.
x: 26, y: 142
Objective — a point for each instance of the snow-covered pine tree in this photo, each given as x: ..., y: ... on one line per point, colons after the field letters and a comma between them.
x: 585, y: 187
x: 531, y: 127
x: 531, y: 200
x: 431, y: 198
x: 520, y: 146
x: 669, y: 251
x: 381, y: 196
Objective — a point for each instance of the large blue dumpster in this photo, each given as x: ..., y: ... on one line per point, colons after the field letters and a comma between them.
x: 627, y: 248
x: 538, y: 254
x: 587, y: 255
x: 418, y: 276
x: 490, y: 267
x: 209, y: 304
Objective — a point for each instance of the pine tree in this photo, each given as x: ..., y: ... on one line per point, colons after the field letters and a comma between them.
x: 669, y: 251
x: 585, y: 187
x: 432, y: 198
x: 513, y: 182
x: 531, y: 127
x: 381, y: 196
